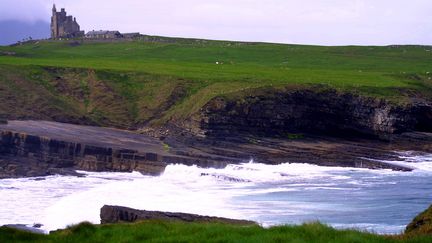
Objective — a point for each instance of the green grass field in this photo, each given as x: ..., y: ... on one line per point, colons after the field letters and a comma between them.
x: 163, y: 231
x: 162, y: 80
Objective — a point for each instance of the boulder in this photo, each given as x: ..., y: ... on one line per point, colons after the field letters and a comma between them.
x: 117, y: 214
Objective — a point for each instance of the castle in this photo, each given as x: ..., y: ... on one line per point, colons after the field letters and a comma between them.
x: 63, y: 26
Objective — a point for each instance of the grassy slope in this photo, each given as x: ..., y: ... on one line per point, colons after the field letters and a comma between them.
x: 144, y: 75
x: 421, y: 224
x: 162, y: 231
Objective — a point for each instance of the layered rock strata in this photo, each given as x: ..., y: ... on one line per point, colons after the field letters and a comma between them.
x: 275, y: 112
x: 39, y: 148
x: 66, y: 154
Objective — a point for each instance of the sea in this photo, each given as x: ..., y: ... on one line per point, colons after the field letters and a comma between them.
x: 379, y: 201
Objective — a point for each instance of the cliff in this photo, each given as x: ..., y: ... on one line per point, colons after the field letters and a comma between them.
x: 275, y: 112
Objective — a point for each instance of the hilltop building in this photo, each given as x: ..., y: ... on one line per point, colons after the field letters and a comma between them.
x: 63, y: 26
x: 103, y: 34
x: 110, y: 34
x: 131, y: 35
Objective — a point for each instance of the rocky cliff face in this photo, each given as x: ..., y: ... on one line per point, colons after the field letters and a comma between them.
x: 40, y: 155
x: 278, y: 113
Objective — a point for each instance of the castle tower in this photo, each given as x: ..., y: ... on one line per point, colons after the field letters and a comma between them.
x: 54, y: 23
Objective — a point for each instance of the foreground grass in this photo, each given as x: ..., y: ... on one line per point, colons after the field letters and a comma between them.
x: 163, y: 231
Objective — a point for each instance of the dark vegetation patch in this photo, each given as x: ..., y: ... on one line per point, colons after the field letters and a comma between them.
x: 74, y: 43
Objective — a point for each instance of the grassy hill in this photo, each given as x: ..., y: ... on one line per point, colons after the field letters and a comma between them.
x: 155, y: 80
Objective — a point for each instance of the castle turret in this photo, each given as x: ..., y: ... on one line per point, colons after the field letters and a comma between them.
x: 54, y: 23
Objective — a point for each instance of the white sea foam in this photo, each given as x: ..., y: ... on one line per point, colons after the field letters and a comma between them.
x: 373, y: 228
x: 269, y: 194
x: 418, y: 161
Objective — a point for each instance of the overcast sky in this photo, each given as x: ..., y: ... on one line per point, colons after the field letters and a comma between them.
x: 325, y: 22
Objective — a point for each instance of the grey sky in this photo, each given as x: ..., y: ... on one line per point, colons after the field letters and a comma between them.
x: 327, y: 22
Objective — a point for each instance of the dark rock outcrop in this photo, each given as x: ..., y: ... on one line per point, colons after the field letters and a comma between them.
x: 43, y: 156
x: 275, y: 112
x: 117, y: 214
x: 421, y: 224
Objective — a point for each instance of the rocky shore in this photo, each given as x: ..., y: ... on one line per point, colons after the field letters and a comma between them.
x: 40, y: 148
